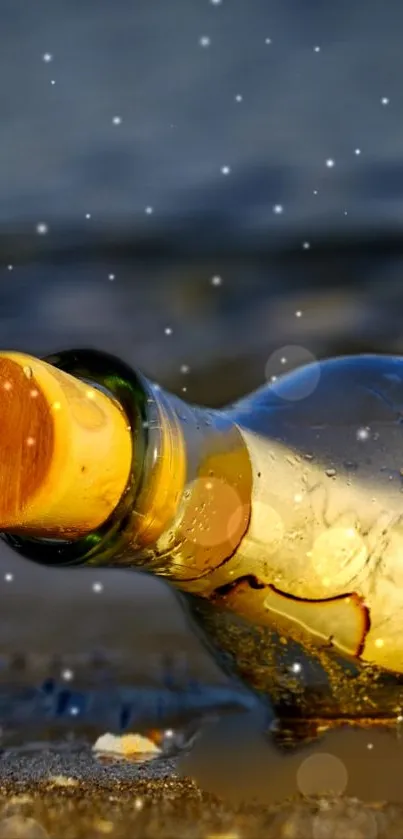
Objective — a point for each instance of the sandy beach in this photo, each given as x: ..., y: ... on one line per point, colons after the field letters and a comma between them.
x: 346, y: 786
x: 56, y: 796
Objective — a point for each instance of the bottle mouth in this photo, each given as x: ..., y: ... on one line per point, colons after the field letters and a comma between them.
x: 106, y: 372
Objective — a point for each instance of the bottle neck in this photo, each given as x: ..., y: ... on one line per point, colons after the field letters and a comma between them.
x: 194, y: 503
x: 187, y: 503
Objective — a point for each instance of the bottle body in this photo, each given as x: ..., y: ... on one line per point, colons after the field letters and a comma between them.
x: 311, y: 611
x: 279, y: 521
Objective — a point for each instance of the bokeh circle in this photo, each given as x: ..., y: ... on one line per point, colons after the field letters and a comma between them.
x: 322, y: 773
x: 288, y: 359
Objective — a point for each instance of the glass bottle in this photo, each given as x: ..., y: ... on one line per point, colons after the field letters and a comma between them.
x: 278, y: 520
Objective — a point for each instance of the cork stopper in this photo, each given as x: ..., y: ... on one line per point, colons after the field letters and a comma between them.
x: 65, y: 451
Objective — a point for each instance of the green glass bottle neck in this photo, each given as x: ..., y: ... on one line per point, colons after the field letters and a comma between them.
x: 187, y: 502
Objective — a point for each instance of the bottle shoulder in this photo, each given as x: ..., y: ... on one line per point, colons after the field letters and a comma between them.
x: 348, y: 390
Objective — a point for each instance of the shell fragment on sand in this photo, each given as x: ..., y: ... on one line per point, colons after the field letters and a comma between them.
x: 127, y: 747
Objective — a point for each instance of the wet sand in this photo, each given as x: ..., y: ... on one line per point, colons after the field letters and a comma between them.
x: 71, y: 797
x: 62, y: 791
